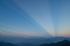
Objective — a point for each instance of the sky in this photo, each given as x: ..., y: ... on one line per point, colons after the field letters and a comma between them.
x: 35, y: 18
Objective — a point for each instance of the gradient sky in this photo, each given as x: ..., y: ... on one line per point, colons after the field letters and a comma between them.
x: 35, y: 18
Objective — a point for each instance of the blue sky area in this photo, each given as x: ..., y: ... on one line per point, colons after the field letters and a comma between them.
x: 35, y: 18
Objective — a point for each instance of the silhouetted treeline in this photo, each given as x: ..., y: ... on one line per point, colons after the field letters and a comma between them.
x: 61, y: 43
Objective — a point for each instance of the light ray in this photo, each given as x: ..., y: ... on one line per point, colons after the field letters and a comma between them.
x: 41, y: 11
x: 30, y: 18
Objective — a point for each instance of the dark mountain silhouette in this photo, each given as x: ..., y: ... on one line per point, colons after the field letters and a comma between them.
x: 56, y: 39
x: 0, y: 45
x: 10, y: 44
x: 61, y: 43
x: 6, y: 44
x: 38, y: 41
x: 26, y: 44
x: 17, y: 40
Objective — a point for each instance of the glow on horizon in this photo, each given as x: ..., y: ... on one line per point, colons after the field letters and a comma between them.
x: 0, y: 31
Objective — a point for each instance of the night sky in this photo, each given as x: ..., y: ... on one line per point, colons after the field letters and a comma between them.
x: 35, y: 18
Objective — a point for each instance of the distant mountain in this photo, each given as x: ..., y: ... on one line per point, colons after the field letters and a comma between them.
x: 6, y: 44
x: 37, y: 41
x: 61, y: 43
x: 56, y: 39
x: 31, y: 41
x: 40, y: 41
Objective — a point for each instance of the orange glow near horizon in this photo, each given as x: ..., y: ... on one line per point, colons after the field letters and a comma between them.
x: 0, y: 31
